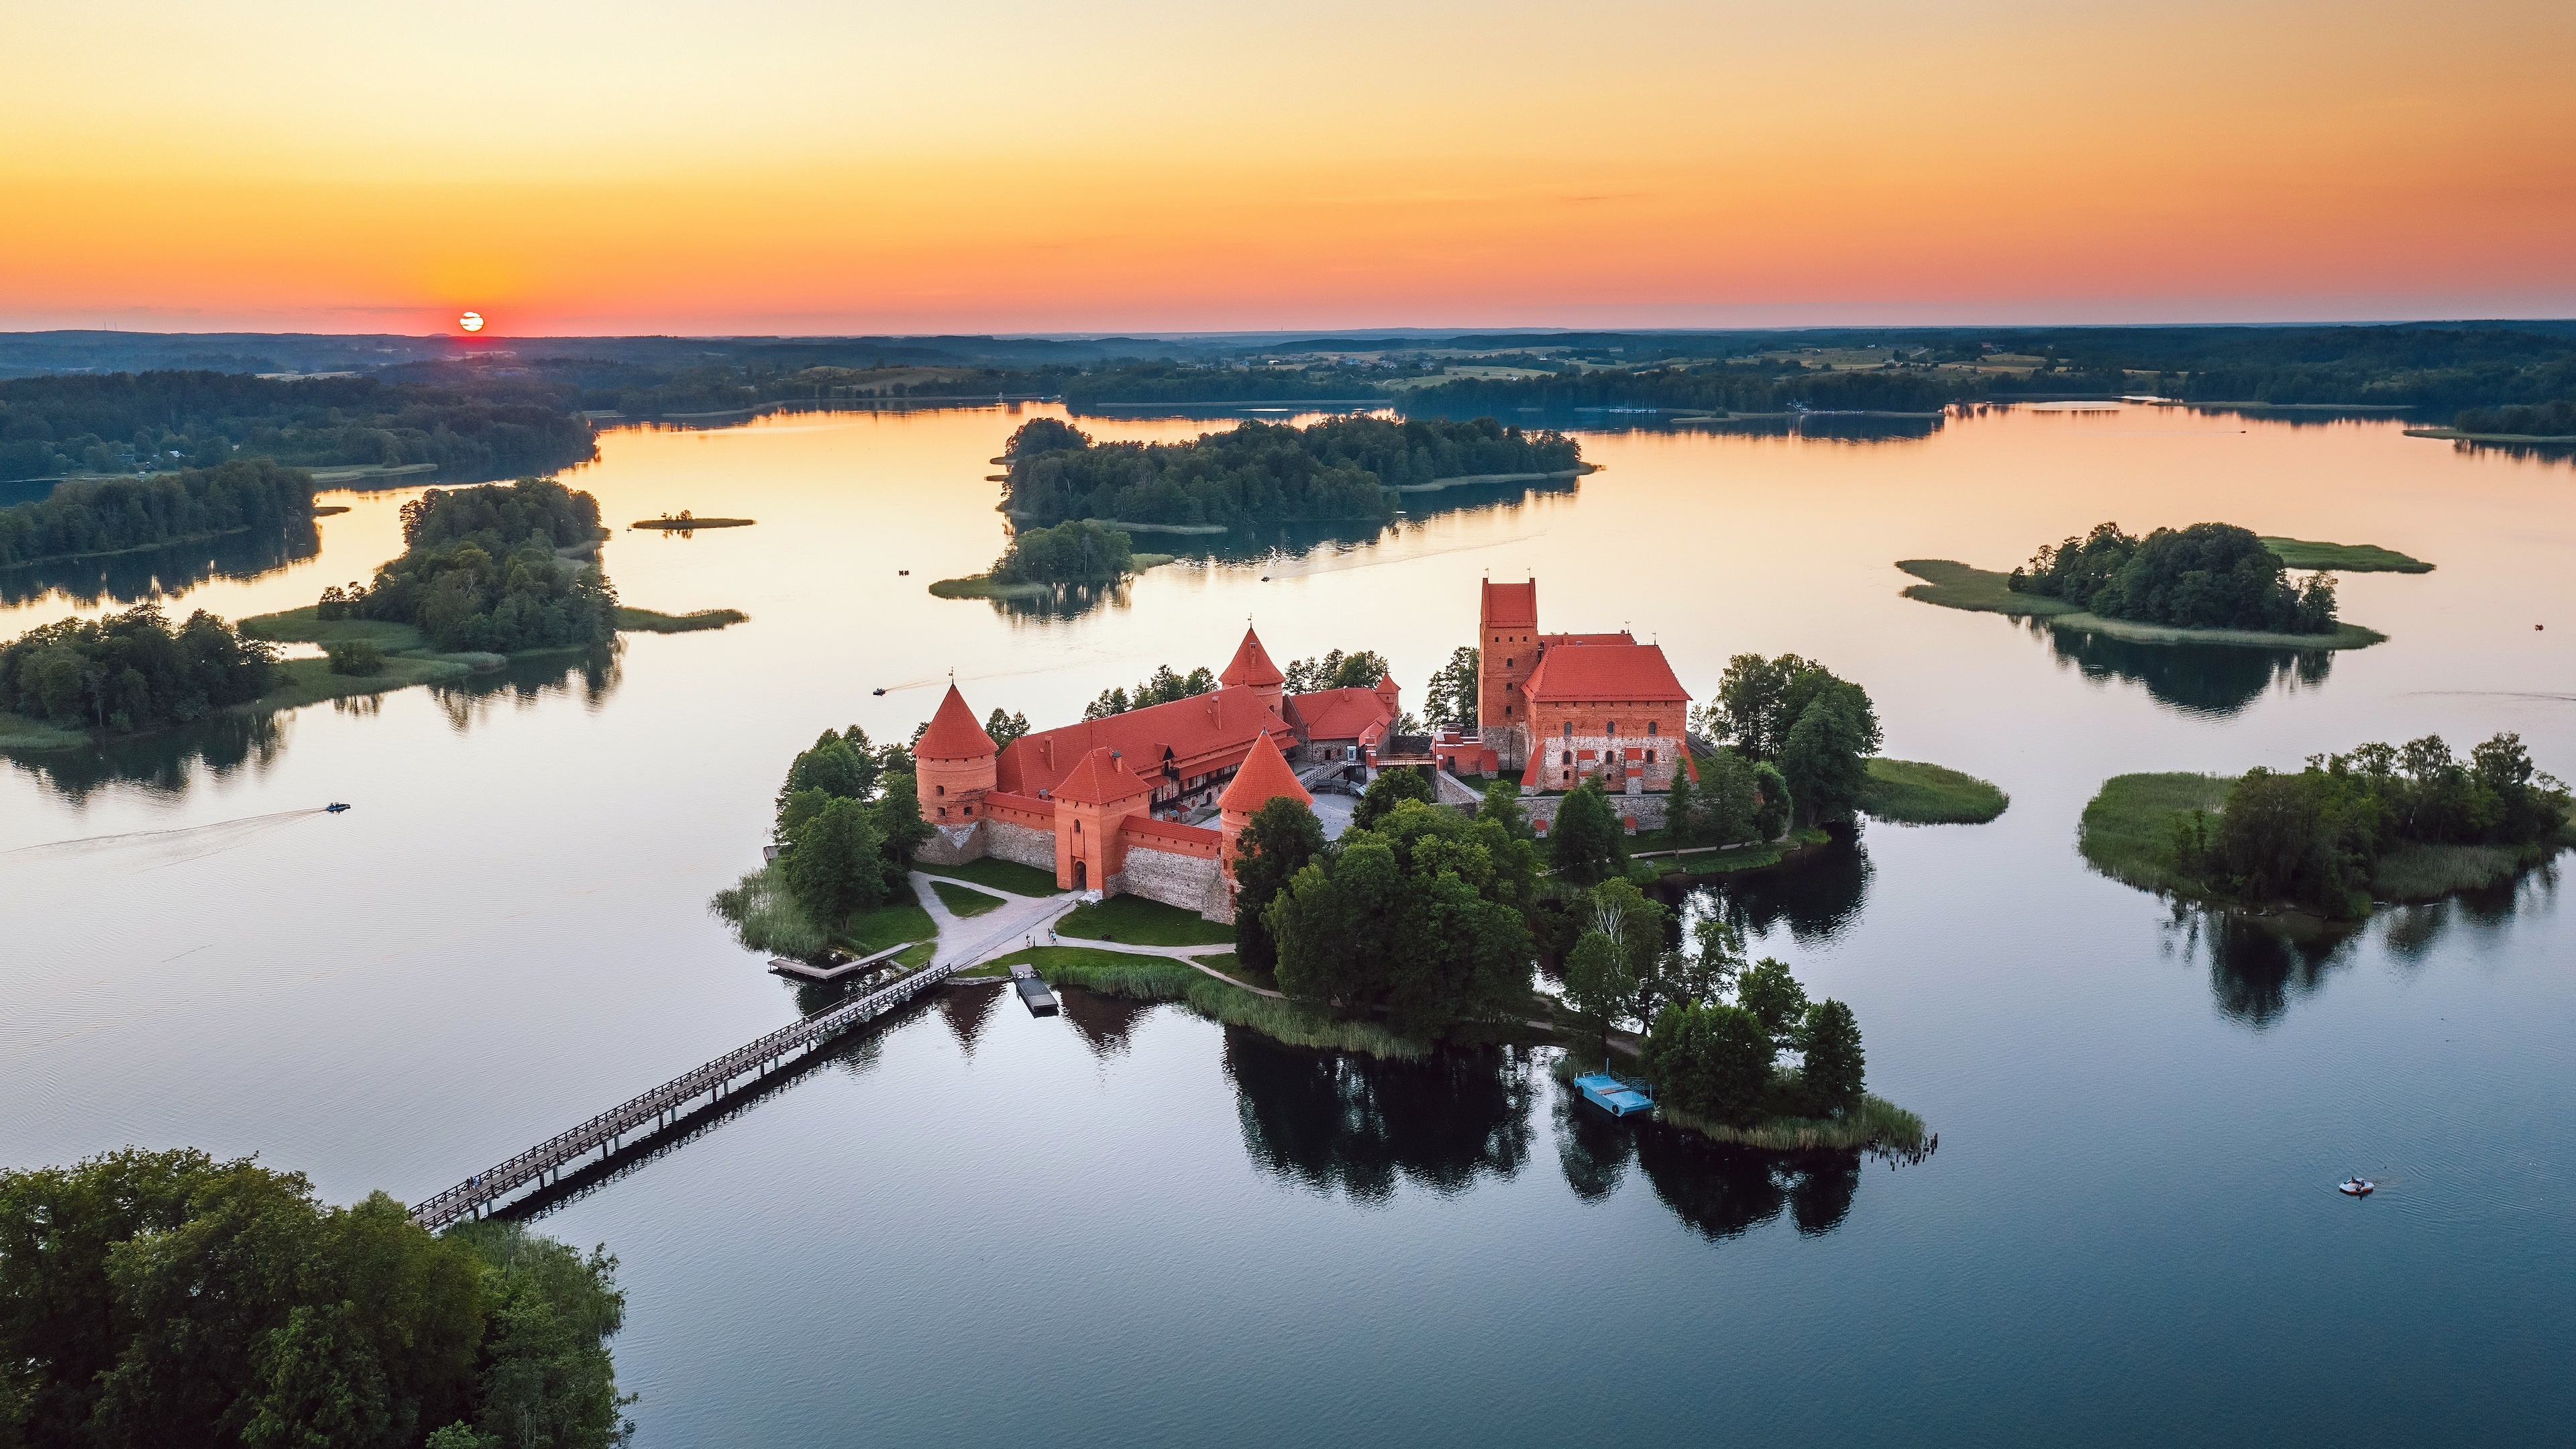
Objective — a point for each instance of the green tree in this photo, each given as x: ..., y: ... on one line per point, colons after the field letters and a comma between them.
x: 1598, y: 983
x: 1451, y: 699
x: 1834, y: 1063
x: 1005, y: 728
x: 1826, y: 756
x: 835, y: 862
x: 1392, y: 786
x: 1774, y: 806
x: 1589, y: 843
x: 1280, y: 839
x: 1423, y: 918
x: 1681, y: 810
x: 1503, y: 807
x: 1710, y: 1061
x: 1774, y: 997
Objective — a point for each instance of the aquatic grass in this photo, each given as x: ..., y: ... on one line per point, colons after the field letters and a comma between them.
x: 2345, y: 558
x: 961, y: 901
x: 1156, y: 978
x: 2127, y: 829
x: 1001, y: 875
x: 649, y: 621
x: 765, y: 916
x: 1954, y: 585
x: 1910, y: 792
x: 1875, y: 1125
x: 2430, y: 872
x: 1144, y: 922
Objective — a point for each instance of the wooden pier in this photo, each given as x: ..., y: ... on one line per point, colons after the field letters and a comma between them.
x: 804, y: 971
x: 603, y: 1134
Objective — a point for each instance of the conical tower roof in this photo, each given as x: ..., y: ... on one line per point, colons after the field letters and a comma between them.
x: 1251, y: 667
x: 1265, y: 777
x: 953, y: 733
x: 1100, y: 778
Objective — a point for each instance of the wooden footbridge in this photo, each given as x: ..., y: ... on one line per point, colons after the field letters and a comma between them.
x: 604, y: 1134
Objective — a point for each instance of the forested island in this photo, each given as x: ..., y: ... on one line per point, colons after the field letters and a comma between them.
x: 2407, y: 822
x: 2208, y: 583
x: 169, y: 1298
x: 92, y: 517
x: 1338, y: 470
x: 481, y: 425
x: 1082, y: 553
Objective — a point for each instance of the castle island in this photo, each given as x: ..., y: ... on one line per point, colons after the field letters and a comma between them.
x: 1122, y: 805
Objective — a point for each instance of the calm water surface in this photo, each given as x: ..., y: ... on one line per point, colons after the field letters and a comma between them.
x: 1128, y: 1226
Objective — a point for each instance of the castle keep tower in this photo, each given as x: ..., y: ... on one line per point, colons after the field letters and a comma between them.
x: 1507, y: 643
x: 1251, y: 669
x: 954, y: 764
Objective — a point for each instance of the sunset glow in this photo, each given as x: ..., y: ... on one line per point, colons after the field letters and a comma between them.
x: 787, y: 167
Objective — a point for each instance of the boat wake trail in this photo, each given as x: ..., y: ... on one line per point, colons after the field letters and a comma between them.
x: 188, y: 842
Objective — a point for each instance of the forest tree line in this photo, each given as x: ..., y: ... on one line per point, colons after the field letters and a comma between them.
x: 131, y: 422
x: 1341, y: 469
x: 113, y: 515
x: 132, y: 671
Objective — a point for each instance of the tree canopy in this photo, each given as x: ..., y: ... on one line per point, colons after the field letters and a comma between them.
x: 1280, y: 839
x: 481, y: 571
x: 168, y: 1300
x: 2207, y: 576
x: 1421, y: 917
x: 1451, y: 700
x: 1078, y: 551
x: 1716, y: 1059
x: 1589, y: 842
x: 132, y: 671
x: 112, y: 515
x: 848, y: 822
x: 1341, y: 469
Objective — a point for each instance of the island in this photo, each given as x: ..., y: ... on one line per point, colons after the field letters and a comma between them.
x: 1168, y: 847
x: 2211, y: 583
x: 1046, y: 562
x: 2385, y: 823
x: 686, y: 522
x: 490, y: 573
x: 1351, y: 469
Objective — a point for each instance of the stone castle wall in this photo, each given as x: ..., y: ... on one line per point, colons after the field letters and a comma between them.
x: 1020, y: 843
x: 1167, y: 876
x: 1646, y: 810
x: 951, y: 845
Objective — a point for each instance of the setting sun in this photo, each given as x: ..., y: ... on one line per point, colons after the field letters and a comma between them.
x: 471, y: 321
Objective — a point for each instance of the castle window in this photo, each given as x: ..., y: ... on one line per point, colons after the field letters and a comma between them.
x: 1569, y: 729
x: 1569, y: 757
x: 1650, y: 757
x: 1610, y: 728
x: 969, y: 810
x: 942, y: 789
x: 1077, y: 827
x: 1650, y: 729
x: 943, y: 812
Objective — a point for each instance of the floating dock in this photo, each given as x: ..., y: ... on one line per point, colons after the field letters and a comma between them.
x: 1033, y: 991
x: 1612, y: 1095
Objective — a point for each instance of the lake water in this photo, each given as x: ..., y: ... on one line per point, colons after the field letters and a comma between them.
x: 1128, y: 1226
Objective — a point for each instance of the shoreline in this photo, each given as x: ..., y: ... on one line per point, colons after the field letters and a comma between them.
x: 981, y: 586
x: 1949, y: 584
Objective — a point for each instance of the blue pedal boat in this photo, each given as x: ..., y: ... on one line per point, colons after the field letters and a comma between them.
x: 1612, y: 1095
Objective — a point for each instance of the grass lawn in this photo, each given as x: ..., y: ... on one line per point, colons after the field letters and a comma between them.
x: 1157, y: 978
x: 888, y: 925
x: 301, y: 626
x: 1910, y: 792
x: 1001, y: 875
x: 961, y: 901
x: 2127, y: 829
x: 1232, y: 965
x: 647, y: 621
x: 1141, y: 922
x: 310, y: 681
x: 1954, y: 585
x: 2345, y: 558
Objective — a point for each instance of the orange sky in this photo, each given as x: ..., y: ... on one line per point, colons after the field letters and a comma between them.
x: 777, y: 167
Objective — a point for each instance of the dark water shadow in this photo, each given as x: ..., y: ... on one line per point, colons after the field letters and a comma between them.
x: 1106, y: 1023
x: 1358, y: 1125
x: 165, y: 762
x: 1817, y: 898
x: 2206, y: 681
x: 130, y: 578
x: 1716, y: 1190
x: 173, y: 761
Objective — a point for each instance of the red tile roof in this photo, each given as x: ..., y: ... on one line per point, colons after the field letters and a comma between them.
x: 953, y: 733
x: 1338, y: 714
x: 1101, y: 778
x: 1265, y: 777
x: 1514, y: 605
x: 1550, y: 641
x: 1614, y: 673
x: 1203, y: 733
x: 1251, y: 666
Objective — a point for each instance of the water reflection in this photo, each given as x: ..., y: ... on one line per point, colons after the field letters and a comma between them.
x: 1718, y: 1191
x: 2209, y: 681
x: 129, y: 578
x: 1106, y: 1023
x: 168, y: 762
x: 1816, y: 898
x: 1332, y: 1121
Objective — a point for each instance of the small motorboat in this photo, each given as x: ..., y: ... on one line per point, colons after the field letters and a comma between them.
x: 903, y: 573
x: 2356, y: 1187
x: 876, y: 691
x: 335, y: 807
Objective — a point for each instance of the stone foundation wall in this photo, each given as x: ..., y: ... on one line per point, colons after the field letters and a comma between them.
x: 1610, y: 751
x: 1166, y: 876
x: 1004, y: 841
x: 952, y: 845
x: 1647, y: 810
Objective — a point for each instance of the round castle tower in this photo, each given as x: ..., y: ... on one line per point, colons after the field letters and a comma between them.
x: 953, y: 765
